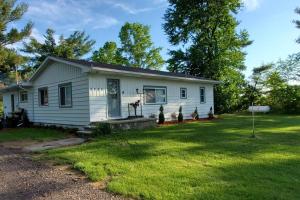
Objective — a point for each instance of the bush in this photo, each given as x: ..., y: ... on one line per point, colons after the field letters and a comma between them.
x: 102, y: 129
x: 195, y: 114
x: 161, y: 117
x: 180, y: 116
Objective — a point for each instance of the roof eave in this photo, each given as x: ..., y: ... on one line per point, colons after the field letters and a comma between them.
x: 140, y: 74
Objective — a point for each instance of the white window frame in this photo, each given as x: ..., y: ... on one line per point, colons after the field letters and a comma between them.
x: 21, y: 95
x: 65, y: 85
x: 183, y: 89
x: 155, y: 88
x: 204, y: 95
x: 40, y: 98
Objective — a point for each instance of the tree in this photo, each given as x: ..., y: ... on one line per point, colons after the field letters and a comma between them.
x: 10, y: 13
x: 137, y: 48
x: 210, y: 44
x: 109, y: 54
x: 75, y: 46
x: 297, y: 22
x: 289, y: 68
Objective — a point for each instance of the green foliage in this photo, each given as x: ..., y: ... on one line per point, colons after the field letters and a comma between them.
x: 227, y: 95
x: 102, y: 129
x: 289, y: 68
x: 10, y: 13
x: 75, y: 46
x: 137, y: 49
x: 109, y: 54
x: 297, y: 22
x: 161, y: 116
x: 180, y: 115
x: 212, y: 45
x: 208, y: 160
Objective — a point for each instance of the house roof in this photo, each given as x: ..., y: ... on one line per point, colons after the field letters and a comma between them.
x: 130, y: 69
x: 89, y: 66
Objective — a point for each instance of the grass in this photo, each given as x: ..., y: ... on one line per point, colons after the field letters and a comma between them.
x: 36, y: 134
x: 200, y: 160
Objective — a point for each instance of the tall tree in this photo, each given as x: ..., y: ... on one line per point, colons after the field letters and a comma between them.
x: 209, y: 44
x: 297, y: 22
x: 109, y: 54
x: 10, y: 13
x: 137, y: 47
x: 75, y: 46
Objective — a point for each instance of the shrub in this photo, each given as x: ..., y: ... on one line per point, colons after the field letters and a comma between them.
x: 195, y: 114
x: 180, y: 116
x: 210, y: 113
x: 161, y: 117
x: 102, y: 129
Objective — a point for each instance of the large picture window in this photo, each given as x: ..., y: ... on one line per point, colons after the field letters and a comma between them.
x: 23, y: 97
x: 202, y: 95
x: 43, y: 96
x: 155, y: 95
x: 65, y: 95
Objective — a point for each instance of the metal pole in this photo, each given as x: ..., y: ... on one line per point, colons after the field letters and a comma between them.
x: 253, y: 125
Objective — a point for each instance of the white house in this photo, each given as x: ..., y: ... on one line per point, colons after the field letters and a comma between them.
x: 76, y: 92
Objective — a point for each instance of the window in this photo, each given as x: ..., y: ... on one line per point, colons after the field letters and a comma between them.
x: 183, y: 93
x: 202, y: 95
x: 65, y: 95
x: 155, y: 95
x: 23, y: 97
x: 43, y: 96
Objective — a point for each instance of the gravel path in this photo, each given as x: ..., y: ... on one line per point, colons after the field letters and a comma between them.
x: 22, y: 178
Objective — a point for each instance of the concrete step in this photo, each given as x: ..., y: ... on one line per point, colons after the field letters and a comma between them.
x: 84, y: 133
x: 89, y: 127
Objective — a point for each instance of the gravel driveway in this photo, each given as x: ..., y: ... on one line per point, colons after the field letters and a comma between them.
x: 22, y: 178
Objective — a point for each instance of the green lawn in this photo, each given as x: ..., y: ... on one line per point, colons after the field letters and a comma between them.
x: 200, y: 160
x: 37, y: 134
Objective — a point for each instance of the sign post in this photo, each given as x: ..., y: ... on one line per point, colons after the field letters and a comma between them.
x: 253, y: 126
x: 253, y: 109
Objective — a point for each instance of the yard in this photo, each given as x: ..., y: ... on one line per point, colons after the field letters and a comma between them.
x: 30, y: 134
x: 200, y: 160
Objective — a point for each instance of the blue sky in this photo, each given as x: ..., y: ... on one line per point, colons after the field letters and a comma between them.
x: 269, y: 23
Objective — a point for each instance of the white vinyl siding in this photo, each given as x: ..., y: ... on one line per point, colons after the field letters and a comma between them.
x: 54, y: 75
x: 128, y: 88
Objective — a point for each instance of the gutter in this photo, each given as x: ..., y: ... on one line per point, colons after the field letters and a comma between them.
x: 140, y: 74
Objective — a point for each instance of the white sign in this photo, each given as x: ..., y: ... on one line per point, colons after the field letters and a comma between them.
x: 263, y: 109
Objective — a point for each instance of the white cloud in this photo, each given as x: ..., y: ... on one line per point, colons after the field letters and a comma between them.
x: 69, y: 15
x: 251, y: 5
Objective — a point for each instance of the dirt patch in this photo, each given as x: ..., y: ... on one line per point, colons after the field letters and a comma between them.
x: 18, y: 144
x: 23, y: 178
